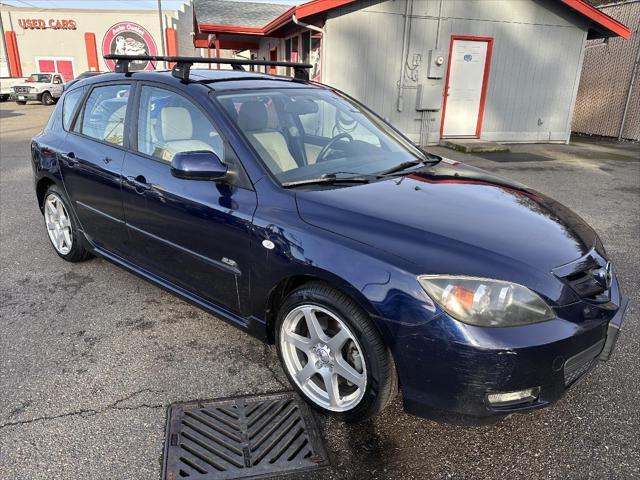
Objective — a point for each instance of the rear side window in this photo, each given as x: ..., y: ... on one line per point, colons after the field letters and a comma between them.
x: 104, y: 114
x: 168, y: 123
x: 71, y: 100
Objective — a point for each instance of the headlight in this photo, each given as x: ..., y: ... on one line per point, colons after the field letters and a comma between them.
x: 485, y: 302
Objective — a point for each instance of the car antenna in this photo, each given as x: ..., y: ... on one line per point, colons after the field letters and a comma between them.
x: 182, y: 65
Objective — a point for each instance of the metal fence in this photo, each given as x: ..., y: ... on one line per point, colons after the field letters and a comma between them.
x: 608, y: 101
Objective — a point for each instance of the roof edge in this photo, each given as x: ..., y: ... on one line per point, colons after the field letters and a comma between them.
x: 599, y: 17
x: 314, y: 7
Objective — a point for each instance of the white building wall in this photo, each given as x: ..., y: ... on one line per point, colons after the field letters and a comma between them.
x: 535, y: 67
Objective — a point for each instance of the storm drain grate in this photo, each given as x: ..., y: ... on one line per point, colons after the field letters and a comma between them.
x: 246, y: 437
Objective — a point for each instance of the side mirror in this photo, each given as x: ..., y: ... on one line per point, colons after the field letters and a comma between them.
x: 198, y: 165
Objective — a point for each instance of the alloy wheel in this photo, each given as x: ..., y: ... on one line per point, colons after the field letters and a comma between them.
x: 323, y: 357
x: 58, y: 224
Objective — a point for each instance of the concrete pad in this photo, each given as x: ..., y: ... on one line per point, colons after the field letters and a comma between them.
x: 473, y: 145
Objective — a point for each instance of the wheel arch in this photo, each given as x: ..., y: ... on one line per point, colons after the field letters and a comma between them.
x: 286, y: 285
x: 41, y: 188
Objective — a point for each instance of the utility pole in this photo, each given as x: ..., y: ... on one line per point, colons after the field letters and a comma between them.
x: 161, y: 30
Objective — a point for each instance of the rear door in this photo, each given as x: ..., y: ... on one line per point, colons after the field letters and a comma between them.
x: 91, y: 164
x: 194, y: 233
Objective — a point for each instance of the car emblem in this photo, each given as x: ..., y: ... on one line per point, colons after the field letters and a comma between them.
x: 603, y: 276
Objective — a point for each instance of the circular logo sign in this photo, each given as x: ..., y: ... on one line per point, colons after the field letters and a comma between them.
x: 468, y: 57
x: 128, y: 38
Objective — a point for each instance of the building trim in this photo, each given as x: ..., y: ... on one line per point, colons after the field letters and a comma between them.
x: 92, y: 51
x: 599, y: 17
x: 11, y: 42
x: 315, y: 7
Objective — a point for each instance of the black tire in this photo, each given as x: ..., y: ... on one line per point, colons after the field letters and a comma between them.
x: 382, y: 380
x: 47, y: 99
x: 21, y: 102
x: 78, y: 251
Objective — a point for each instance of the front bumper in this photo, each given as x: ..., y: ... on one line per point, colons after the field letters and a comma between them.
x: 447, y: 369
x: 26, y: 96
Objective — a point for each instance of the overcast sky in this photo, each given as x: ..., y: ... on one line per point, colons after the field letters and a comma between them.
x: 115, y: 4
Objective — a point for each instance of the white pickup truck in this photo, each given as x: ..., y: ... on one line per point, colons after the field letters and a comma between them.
x: 41, y: 87
x: 6, y: 86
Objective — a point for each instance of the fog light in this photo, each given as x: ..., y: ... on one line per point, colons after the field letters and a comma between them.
x: 513, y: 398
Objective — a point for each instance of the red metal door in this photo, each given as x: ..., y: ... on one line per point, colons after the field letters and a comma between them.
x: 65, y: 68
x: 46, y: 66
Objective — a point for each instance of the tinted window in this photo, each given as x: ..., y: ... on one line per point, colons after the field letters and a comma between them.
x: 168, y: 124
x: 104, y: 114
x: 71, y: 100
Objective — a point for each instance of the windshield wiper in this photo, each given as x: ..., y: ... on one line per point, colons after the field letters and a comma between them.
x: 411, y: 163
x: 328, y: 178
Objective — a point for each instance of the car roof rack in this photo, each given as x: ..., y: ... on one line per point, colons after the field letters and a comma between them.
x: 183, y: 65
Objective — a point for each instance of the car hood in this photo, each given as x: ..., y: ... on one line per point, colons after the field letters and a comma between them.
x: 31, y: 84
x: 453, y: 218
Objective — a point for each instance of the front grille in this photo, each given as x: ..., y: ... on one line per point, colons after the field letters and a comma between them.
x: 576, y: 366
x: 21, y: 89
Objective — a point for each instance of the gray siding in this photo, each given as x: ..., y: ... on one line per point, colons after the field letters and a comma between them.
x: 535, y: 67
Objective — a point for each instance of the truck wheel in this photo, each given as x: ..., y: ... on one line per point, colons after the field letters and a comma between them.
x: 47, y: 99
x: 21, y: 102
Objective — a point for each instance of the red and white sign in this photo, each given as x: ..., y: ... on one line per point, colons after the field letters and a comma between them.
x: 128, y: 38
x: 41, y: 24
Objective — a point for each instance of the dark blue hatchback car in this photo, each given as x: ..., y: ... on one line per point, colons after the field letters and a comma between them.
x: 295, y: 213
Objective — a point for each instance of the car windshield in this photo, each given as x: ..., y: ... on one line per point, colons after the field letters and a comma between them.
x: 304, y: 134
x: 39, y: 78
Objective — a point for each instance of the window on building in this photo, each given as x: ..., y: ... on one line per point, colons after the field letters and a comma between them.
x: 104, y: 114
x: 168, y: 123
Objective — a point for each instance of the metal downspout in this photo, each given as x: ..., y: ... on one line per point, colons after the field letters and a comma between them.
x: 628, y: 100
x: 405, y: 47
x: 295, y: 20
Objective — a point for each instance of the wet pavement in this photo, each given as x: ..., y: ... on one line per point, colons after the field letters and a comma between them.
x: 91, y: 356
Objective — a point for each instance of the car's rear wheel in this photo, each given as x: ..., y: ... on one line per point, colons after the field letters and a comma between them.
x: 62, y: 228
x: 333, y: 354
x: 47, y: 99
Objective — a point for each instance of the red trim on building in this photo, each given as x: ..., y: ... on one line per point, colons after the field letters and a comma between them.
x: 315, y: 7
x: 599, y: 17
x: 11, y: 41
x: 485, y: 79
x: 171, y: 38
x: 92, y: 51
x: 203, y: 27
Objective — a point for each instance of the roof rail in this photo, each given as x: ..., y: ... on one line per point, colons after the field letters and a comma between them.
x: 183, y: 65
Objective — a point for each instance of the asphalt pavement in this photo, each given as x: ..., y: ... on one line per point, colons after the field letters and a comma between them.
x: 91, y: 356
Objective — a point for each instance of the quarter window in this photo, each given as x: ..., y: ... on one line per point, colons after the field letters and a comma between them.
x: 104, y: 114
x: 168, y: 124
x: 71, y: 100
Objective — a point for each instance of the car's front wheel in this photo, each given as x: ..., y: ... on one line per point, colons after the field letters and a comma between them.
x: 333, y: 355
x: 62, y: 227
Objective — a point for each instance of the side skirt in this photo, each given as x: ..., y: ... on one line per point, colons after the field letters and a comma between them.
x: 251, y: 325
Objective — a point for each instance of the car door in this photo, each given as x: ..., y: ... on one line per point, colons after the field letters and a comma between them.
x: 194, y: 233
x: 91, y: 164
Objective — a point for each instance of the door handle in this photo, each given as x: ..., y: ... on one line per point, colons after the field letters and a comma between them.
x: 70, y: 159
x: 139, y: 183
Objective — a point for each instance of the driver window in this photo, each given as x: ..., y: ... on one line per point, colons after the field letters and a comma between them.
x: 168, y: 123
